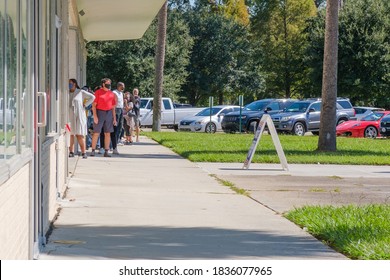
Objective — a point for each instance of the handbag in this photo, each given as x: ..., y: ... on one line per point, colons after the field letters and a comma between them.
x: 131, y: 113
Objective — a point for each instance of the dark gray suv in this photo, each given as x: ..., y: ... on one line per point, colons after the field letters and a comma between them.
x: 304, y: 116
x: 252, y: 113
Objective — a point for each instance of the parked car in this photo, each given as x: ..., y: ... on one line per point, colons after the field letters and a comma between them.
x: 170, y: 116
x: 9, y: 112
x: 252, y: 113
x: 367, y: 127
x: 347, y: 107
x: 385, y: 126
x: 304, y: 116
x: 201, y: 121
x: 361, y: 112
x: 181, y: 105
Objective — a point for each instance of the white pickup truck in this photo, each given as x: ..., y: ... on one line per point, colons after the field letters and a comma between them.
x: 170, y: 116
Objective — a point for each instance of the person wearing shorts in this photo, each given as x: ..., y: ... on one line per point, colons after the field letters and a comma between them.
x: 104, y: 117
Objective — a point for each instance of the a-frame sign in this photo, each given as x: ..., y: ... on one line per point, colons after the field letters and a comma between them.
x: 266, y: 119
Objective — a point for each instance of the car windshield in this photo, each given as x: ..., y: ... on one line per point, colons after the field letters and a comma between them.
x: 256, y: 106
x: 373, y: 116
x: 206, y: 112
x: 296, y: 107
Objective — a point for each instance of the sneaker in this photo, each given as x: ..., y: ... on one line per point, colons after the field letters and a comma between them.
x: 115, y: 151
x: 84, y: 155
x: 106, y: 154
x: 120, y: 143
x: 71, y: 154
x: 93, y: 153
x: 101, y: 151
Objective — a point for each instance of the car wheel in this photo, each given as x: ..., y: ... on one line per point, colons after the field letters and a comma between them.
x: 299, y: 129
x: 210, y: 128
x: 370, y: 132
x: 340, y: 121
x: 252, y: 126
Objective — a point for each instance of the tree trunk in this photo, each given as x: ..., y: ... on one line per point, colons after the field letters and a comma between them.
x: 160, y: 57
x: 327, y: 139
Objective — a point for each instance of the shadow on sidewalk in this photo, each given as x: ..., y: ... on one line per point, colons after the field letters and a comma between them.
x: 180, y: 243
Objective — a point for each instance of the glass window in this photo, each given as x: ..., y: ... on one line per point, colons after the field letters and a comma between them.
x: 13, y: 76
x: 167, y: 104
x: 316, y: 106
x: 274, y: 106
x: 9, y: 88
x: 2, y: 78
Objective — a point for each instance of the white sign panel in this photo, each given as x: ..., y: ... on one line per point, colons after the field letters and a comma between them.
x: 266, y: 119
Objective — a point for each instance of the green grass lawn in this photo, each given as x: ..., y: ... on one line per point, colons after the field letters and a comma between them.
x: 358, y: 232
x: 221, y: 147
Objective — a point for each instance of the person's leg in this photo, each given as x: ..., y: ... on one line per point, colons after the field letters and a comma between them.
x: 81, y: 140
x: 108, y: 131
x: 95, y: 137
x: 97, y: 128
x: 136, y: 124
x: 71, y: 146
x: 107, y: 136
x: 113, y: 138
x: 119, y: 127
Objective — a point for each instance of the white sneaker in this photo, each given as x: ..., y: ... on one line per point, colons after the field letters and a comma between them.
x: 120, y: 143
x: 115, y: 152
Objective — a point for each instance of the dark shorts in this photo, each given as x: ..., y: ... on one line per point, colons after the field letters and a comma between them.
x: 105, y: 121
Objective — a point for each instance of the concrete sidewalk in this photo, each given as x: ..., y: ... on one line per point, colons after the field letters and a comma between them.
x: 149, y: 203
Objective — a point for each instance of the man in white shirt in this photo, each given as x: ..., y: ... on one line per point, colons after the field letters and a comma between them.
x: 120, y: 87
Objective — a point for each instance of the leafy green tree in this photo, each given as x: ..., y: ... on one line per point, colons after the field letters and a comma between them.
x: 132, y: 61
x: 219, y: 59
x: 364, y: 52
x: 237, y: 10
x: 280, y: 25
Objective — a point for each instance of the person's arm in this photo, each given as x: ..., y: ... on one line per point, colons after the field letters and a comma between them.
x: 89, y: 97
x: 95, y: 117
x: 113, y: 109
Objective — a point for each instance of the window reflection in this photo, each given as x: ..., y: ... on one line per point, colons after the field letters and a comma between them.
x: 13, y: 76
x: 2, y: 78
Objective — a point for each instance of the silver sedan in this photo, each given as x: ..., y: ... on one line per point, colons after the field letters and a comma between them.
x: 208, y: 120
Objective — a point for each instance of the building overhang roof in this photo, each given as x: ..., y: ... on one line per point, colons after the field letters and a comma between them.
x: 102, y: 20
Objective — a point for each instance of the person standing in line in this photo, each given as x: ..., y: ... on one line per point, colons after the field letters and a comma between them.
x: 136, y: 109
x: 78, y: 100
x: 120, y: 87
x: 89, y: 118
x: 128, y: 116
x: 103, y: 109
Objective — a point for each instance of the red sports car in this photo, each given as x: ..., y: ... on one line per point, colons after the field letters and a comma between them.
x: 366, y: 127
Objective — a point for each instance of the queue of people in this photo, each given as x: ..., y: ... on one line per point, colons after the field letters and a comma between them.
x: 109, y: 115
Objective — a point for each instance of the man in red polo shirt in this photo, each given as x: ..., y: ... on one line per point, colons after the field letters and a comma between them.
x: 103, y: 109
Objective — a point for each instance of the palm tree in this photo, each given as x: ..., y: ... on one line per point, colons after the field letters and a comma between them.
x: 160, y: 57
x: 327, y: 139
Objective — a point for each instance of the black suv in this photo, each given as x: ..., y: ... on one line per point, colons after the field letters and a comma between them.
x: 252, y: 113
x: 385, y: 126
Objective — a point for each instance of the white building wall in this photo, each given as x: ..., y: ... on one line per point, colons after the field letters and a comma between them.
x: 14, y: 216
x: 73, y: 54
